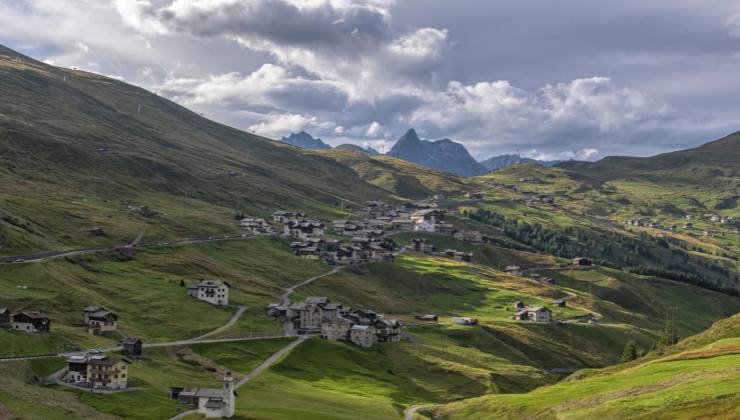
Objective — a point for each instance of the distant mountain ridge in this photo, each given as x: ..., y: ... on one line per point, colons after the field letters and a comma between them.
x: 445, y: 155
x: 708, y: 162
x: 305, y: 141
x: 504, y: 161
x: 355, y: 148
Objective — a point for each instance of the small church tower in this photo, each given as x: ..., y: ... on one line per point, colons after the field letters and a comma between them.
x: 229, y: 403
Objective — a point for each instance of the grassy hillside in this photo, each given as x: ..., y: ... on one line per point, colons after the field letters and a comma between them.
x: 147, y: 294
x: 82, y: 150
x: 698, y: 379
x: 712, y: 163
x: 588, y: 218
x: 398, y: 176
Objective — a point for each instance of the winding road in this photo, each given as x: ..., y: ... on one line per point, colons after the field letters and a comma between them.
x: 53, y: 255
x: 285, y: 298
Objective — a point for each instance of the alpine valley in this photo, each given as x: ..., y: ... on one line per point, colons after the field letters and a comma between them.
x: 155, y: 264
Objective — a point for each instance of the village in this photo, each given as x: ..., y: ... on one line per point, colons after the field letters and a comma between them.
x: 340, y: 243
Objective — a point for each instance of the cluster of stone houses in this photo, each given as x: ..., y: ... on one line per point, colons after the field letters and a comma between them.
x: 715, y: 218
x: 215, y: 292
x: 431, y: 220
x: 421, y: 245
x: 211, y: 402
x: 646, y: 223
x: 256, y: 225
x: 720, y: 219
x: 531, y: 313
x: 25, y: 321
x: 333, y: 321
x: 366, y: 243
x: 470, y: 236
x: 96, y: 371
x: 533, y: 199
x: 459, y: 255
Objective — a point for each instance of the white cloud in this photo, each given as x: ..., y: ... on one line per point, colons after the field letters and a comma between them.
x: 582, y: 154
x: 268, y: 86
x: 733, y: 24
x: 137, y: 14
x: 579, y: 111
x: 276, y: 125
x: 82, y: 47
x: 374, y: 129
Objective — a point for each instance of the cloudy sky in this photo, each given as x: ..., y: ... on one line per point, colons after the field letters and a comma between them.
x: 552, y: 79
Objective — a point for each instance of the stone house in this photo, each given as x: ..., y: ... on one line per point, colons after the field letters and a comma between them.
x: 513, y: 270
x: 255, y: 225
x: 426, y: 220
x: 336, y: 329
x: 31, y: 322
x: 100, y: 320
x: 464, y: 320
x: 536, y: 314
x: 211, y: 402
x: 215, y: 292
x: 582, y: 262
x: 284, y: 216
x: 471, y: 236
x: 387, y: 330
x: 107, y: 372
x: 540, y: 314
x: 402, y: 224
x: 363, y: 335
x: 304, y: 229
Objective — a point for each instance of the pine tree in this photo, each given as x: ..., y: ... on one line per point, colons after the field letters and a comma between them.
x: 630, y: 351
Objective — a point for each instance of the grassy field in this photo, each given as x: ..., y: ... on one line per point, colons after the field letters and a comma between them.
x: 693, y: 381
x: 322, y: 379
x: 147, y: 294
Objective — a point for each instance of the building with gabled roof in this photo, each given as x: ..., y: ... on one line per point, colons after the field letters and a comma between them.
x: 107, y: 372
x: 31, y: 322
x: 215, y: 292
x: 4, y: 316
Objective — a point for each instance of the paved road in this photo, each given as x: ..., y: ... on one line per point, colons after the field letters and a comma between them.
x: 238, y: 314
x: 408, y: 414
x: 285, y: 298
x: 270, y: 361
x: 52, y: 255
x: 202, y: 338
x: 256, y: 371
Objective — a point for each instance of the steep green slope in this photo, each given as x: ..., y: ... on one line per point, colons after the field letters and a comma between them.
x: 710, y: 163
x: 698, y: 379
x: 398, y: 176
x: 81, y: 150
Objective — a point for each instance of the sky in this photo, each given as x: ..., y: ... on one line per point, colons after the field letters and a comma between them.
x: 566, y: 79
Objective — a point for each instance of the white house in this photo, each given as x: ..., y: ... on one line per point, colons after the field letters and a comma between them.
x: 217, y: 403
x: 215, y: 292
x: 540, y: 314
